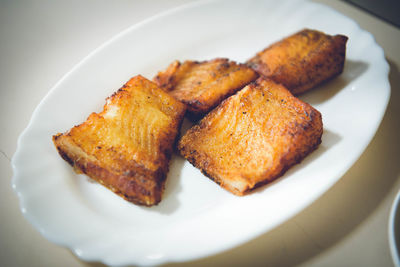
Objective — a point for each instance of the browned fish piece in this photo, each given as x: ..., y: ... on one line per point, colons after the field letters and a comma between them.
x: 127, y: 147
x: 303, y: 60
x: 203, y: 85
x: 253, y: 137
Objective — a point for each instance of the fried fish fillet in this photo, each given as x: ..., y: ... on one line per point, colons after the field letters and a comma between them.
x: 302, y: 60
x: 253, y: 137
x: 127, y: 147
x: 203, y: 85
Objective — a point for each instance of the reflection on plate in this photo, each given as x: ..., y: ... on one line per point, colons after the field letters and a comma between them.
x: 394, y: 230
x: 196, y: 218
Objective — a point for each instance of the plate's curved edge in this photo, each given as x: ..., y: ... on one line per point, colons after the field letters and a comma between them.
x: 116, y: 37
x: 22, y: 136
x: 385, y: 85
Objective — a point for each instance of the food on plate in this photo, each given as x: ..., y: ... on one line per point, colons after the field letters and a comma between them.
x: 127, y: 146
x: 302, y: 60
x: 253, y: 137
x: 252, y: 127
x: 203, y: 85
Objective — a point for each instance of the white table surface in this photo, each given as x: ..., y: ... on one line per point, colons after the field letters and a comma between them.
x: 40, y: 40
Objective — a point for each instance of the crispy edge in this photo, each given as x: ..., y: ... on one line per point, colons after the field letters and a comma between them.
x: 134, y: 186
x: 317, y: 67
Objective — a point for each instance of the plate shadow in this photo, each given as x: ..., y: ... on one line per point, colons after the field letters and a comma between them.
x: 329, y: 139
x: 352, y: 70
x: 170, y: 202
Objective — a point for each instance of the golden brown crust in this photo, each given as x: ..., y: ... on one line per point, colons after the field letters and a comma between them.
x: 253, y: 137
x: 127, y: 147
x: 203, y: 85
x: 302, y: 60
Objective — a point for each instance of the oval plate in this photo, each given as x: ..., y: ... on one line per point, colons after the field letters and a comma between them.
x: 196, y: 217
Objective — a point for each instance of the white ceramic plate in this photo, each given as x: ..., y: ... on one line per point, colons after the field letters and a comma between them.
x: 394, y: 230
x: 196, y: 217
